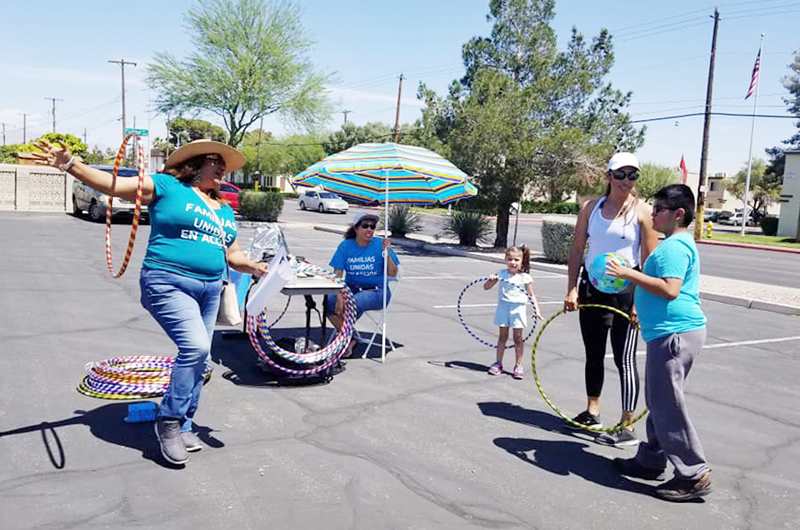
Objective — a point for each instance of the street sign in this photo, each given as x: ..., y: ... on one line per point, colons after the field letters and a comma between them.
x: 140, y: 132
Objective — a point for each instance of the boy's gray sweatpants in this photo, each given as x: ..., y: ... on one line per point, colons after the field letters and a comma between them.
x: 670, y: 433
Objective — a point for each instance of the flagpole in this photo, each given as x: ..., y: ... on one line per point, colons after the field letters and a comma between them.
x: 745, y: 215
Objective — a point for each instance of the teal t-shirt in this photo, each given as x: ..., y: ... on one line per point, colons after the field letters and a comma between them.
x: 363, y: 266
x: 676, y: 257
x: 184, y: 236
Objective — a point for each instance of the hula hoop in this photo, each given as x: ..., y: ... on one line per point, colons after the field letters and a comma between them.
x: 476, y: 337
x: 569, y: 420
x: 137, y: 210
x: 131, y: 377
x: 256, y: 327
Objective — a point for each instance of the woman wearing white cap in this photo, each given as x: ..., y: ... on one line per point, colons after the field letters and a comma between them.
x: 617, y: 222
x: 192, y: 242
x: 359, y: 258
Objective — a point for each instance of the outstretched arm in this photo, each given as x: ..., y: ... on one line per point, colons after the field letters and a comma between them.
x: 58, y: 156
x: 668, y: 288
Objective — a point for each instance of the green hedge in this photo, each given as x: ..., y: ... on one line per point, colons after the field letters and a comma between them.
x: 769, y: 226
x: 260, y: 205
x: 550, y: 207
x: 557, y: 235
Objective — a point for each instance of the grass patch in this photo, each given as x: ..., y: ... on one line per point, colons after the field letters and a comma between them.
x: 748, y: 239
x: 438, y: 211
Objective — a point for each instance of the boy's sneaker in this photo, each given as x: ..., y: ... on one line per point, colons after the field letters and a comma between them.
x: 519, y: 371
x: 586, y: 419
x: 191, y: 441
x: 620, y: 438
x: 630, y: 467
x: 168, y: 432
x: 496, y: 369
x: 682, y: 490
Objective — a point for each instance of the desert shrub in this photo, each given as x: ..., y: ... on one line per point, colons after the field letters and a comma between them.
x: 469, y: 226
x: 550, y: 207
x: 403, y: 220
x: 557, y: 235
x: 260, y: 205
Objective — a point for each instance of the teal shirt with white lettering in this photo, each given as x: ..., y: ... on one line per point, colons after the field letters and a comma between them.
x: 363, y: 266
x: 184, y: 236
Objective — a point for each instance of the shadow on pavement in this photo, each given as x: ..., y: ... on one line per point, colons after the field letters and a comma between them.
x: 106, y: 423
x: 559, y: 457
x: 461, y: 365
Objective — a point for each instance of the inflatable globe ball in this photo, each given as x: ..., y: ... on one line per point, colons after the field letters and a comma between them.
x: 600, y: 278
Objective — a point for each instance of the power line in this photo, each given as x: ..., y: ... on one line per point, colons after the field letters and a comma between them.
x: 729, y: 114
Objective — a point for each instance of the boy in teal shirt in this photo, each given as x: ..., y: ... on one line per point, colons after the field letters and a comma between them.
x: 674, y: 328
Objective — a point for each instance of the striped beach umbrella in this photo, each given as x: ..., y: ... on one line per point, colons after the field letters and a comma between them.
x: 389, y: 172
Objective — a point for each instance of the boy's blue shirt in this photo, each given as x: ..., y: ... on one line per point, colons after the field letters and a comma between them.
x: 675, y: 257
x: 184, y: 236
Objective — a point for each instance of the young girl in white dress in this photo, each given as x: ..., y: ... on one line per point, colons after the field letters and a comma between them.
x: 511, y: 305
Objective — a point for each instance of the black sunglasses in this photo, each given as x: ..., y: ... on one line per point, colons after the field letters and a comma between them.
x: 367, y: 226
x: 658, y: 208
x: 619, y: 175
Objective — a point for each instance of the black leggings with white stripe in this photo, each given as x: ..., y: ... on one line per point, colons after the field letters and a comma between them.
x: 595, y: 324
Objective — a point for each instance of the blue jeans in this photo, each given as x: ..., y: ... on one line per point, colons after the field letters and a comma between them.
x: 367, y: 300
x: 186, y: 309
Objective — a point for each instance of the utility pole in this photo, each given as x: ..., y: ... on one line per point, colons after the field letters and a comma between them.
x: 84, y: 136
x: 122, y: 63
x: 54, y: 111
x: 346, y: 112
x: 4, y: 134
x: 397, y: 116
x: 701, y: 188
x: 24, y: 128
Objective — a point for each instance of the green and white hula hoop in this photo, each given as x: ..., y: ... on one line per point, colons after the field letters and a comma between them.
x: 566, y: 418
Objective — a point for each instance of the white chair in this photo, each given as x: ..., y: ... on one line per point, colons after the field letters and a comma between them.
x: 376, y: 317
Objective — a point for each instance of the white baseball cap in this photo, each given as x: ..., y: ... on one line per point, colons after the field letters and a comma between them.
x: 361, y: 215
x: 622, y: 160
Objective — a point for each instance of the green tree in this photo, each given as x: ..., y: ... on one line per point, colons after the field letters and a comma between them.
x: 653, y: 177
x: 777, y: 159
x: 763, y: 190
x: 282, y: 156
x: 8, y: 153
x: 75, y: 145
x: 527, y: 115
x: 97, y: 156
x: 351, y: 134
x: 250, y: 62
x: 186, y: 130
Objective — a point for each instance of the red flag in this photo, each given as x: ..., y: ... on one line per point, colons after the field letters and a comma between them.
x: 754, y: 79
x: 684, y: 173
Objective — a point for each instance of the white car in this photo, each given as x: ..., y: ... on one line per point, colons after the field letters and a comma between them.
x: 322, y: 201
x: 85, y: 197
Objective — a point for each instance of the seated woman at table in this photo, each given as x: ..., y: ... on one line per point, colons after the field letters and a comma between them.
x: 359, y: 259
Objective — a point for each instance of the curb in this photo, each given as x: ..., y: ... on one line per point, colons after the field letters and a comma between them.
x: 745, y: 245
x: 747, y: 303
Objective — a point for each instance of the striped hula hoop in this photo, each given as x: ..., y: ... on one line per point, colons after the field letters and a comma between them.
x: 566, y: 418
x: 473, y: 334
x: 257, y: 329
x: 137, y: 210
x: 129, y: 377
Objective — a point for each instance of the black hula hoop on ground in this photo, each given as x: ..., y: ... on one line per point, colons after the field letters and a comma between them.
x: 566, y: 418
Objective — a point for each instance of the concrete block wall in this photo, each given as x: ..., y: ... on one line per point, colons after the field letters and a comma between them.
x: 30, y: 188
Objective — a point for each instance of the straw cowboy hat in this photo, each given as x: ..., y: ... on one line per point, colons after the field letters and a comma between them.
x: 233, y: 159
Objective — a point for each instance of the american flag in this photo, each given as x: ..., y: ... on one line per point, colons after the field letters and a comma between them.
x: 754, y: 80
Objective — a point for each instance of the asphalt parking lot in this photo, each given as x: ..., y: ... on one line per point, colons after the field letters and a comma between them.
x: 425, y: 441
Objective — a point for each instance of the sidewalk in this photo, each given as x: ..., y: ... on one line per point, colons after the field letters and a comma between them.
x: 772, y: 298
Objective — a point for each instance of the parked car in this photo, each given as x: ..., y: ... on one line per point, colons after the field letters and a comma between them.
x: 736, y: 219
x: 85, y: 197
x: 712, y: 215
x: 230, y: 193
x: 322, y: 201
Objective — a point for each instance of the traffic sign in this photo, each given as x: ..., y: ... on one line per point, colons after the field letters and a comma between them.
x: 140, y: 132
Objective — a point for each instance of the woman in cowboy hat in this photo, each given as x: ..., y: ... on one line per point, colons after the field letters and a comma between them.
x: 192, y: 242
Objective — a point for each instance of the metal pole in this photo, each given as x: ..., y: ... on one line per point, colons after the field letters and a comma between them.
x: 752, y: 136
x: 516, y: 222
x: 24, y: 128
x: 397, y: 116
x: 701, y: 189
x: 122, y: 63
x: 54, y: 111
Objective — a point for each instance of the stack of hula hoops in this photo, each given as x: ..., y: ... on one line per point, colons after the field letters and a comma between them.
x: 318, y: 363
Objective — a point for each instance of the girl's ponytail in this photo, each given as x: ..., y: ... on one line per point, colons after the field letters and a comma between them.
x: 526, y: 258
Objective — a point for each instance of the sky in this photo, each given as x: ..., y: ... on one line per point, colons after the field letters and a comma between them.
x: 662, y: 52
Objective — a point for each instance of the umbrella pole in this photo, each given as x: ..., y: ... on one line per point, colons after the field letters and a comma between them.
x: 385, y: 266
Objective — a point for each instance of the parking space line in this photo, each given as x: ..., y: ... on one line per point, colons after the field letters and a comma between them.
x: 486, y: 305
x: 423, y: 278
x: 732, y: 344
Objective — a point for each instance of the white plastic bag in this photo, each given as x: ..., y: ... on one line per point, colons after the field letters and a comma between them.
x: 279, y: 274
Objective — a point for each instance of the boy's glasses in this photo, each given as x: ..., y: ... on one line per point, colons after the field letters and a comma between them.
x: 658, y: 208
x: 367, y: 226
x: 620, y: 174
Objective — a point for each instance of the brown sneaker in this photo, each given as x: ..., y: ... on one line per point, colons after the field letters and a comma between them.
x: 682, y: 490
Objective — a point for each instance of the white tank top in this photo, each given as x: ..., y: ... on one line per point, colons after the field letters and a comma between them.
x: 620, y: 235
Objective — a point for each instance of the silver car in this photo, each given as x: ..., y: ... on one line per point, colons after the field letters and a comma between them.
x: 85, y: 197
x: 322, y: 201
